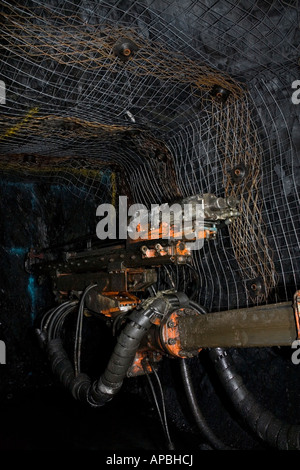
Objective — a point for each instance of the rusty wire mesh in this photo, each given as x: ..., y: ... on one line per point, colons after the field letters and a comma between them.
x: 148, y: 127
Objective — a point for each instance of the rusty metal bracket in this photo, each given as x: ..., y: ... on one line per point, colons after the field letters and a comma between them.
x: 297, y: 311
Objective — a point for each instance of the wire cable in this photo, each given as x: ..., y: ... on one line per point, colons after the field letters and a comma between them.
x: 200, y: 420
x: 162, y: 414
x: 78, y: 333
x: 170, y: 443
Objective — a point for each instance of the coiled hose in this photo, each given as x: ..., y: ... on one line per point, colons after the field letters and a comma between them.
x: 270, y: 429
x: 110, y: 382
x: 103, y: 390
x: 124, y: 352
x: 265, y: 425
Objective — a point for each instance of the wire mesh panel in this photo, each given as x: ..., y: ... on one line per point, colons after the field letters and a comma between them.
x: 158, y: 100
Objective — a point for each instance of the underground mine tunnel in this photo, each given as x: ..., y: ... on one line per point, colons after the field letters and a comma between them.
x: 150, y: 272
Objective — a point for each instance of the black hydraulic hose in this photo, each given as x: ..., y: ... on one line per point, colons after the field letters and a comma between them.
x: 78, y: 385
x: 192, y: 399
x: 270, y: 429
x: 200, y: 420
x: 110, y: 382
x: 262, y: 422
x: 124, y: 352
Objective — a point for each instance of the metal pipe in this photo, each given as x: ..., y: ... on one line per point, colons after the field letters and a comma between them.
x: 263, y: 326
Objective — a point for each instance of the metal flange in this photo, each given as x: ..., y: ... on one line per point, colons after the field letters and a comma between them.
x: 170, y: 335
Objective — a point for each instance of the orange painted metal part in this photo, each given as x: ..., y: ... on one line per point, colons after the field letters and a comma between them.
x: 167, y: 232
x: 170, y: 335
x: 165, y: 342
x: 168, y: 342
x: 178, y: 250
x: 126, y: 51
x: 143, y: 361
x: 124, y: 299
x: 297, y: 311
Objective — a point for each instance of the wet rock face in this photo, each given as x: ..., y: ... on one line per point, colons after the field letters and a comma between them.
x: 33, y: 215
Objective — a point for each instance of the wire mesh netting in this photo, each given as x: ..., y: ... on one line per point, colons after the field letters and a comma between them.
x: 125, y: 98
